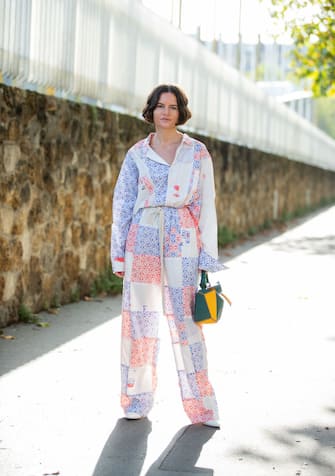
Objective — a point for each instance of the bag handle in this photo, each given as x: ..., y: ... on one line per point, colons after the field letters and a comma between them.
x: 204, y: 280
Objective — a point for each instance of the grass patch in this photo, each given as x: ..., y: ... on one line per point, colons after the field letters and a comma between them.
x: 253, y: 230
x: 55, y: 302
x: 226, y: 236
x: 28, y: 317
x: 107, y: 283
x: 75, y: 295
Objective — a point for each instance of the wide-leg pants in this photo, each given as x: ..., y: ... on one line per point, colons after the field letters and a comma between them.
x: 160, y: 281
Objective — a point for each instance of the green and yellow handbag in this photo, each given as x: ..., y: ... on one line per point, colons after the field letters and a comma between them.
x: 209, y: 301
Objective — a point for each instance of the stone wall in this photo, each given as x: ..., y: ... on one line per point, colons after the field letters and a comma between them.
x: 254, y: 188
x: 58, y: 165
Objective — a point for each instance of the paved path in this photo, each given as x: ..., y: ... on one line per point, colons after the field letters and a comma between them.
x: 272, y: 362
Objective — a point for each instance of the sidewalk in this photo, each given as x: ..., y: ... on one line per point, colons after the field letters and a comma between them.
x: 272, y: 363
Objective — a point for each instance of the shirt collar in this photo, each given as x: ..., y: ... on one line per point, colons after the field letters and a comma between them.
x: 186, y: 140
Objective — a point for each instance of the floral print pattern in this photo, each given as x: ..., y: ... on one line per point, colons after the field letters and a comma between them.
x: 164, y: 230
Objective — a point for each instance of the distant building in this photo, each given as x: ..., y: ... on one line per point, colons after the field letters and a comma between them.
x: 269, y: 66
x: 260, y: 61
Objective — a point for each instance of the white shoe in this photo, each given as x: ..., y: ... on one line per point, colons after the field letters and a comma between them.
x: 212, y: 423
x: 132, y: 416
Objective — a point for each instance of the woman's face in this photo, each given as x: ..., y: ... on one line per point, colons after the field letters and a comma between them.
x: 166, y: 112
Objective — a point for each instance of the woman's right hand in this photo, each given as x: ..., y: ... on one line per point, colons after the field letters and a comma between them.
x: 119, y: 274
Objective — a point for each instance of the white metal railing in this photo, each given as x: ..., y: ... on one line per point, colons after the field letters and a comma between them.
x: 113, y: 52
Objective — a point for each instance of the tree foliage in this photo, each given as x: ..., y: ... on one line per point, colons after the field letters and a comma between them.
x: 324, y: 114
x: 311, y: 24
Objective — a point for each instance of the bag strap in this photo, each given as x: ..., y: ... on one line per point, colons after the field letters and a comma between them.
x: 226, y: 298
x: 204, y: 280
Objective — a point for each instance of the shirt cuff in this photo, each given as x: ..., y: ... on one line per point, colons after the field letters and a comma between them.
x: 118, y: 265
x: 208, y: 263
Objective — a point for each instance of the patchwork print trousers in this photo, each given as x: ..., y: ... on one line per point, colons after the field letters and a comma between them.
x: 161, y: 273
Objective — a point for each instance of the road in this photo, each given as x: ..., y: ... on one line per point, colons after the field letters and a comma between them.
x: 272, y: 363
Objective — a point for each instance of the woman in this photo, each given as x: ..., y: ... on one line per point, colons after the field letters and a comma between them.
x: 164, y: 232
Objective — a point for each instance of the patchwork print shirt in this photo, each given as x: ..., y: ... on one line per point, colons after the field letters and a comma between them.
x: 146, y: 180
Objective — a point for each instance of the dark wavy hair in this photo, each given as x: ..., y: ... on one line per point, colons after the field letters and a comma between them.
x: 184, y: 114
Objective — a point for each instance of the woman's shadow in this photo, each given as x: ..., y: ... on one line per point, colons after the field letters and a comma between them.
x: 182, y: 453
x: 125, y: 449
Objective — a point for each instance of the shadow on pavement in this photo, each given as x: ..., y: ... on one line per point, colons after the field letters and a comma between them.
x: 125, y: 449
x: 323, y: 245
x: 310, y: 448
x: 182, y: 454
x: 72, y: 321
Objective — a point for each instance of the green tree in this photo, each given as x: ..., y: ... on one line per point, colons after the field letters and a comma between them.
x: 324, y: 114
x: 311, y: 25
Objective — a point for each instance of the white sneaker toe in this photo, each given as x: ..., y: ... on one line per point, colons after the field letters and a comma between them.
x: 212, y: 423
x: 132, y: 416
